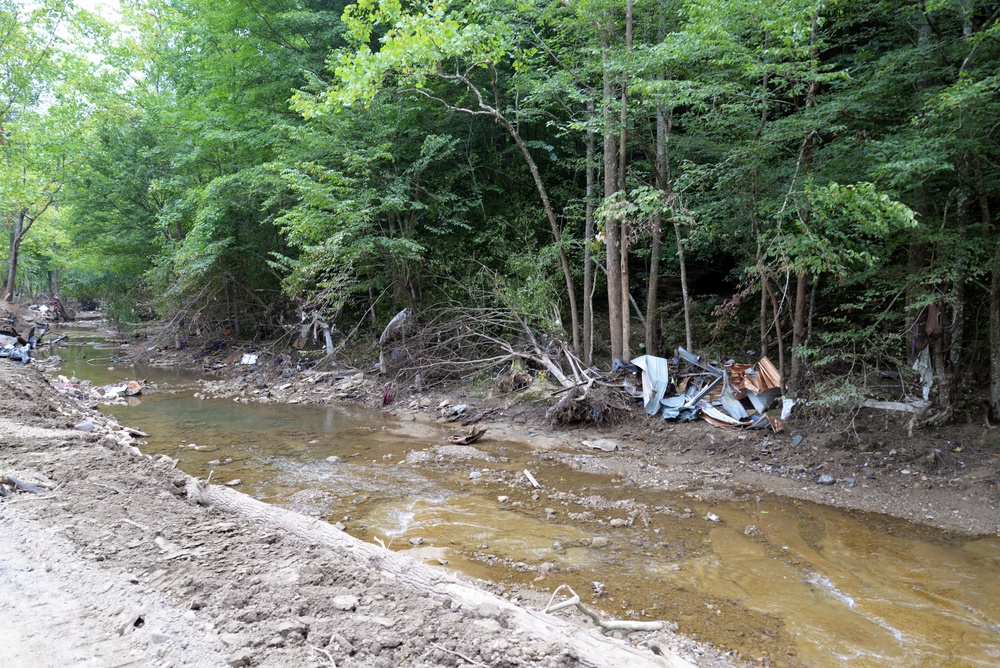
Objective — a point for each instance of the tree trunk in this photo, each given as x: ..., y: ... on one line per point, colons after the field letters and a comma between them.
x: 623, y: 186
x: 682, y: 262
x: 16, y: 236
x: 588, y: 269
x: 802, y: 277
x: 799, y: 328
x: 764, y: 325
x: 777, y: 330
x: 610, y: 224
x: 554, y: 225
x: 652, y: 292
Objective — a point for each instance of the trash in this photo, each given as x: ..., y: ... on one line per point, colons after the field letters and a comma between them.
x: 249, y: 358
x: 786, y: 408
x: 634, y: 367
x: 473, y: 435
x: 655, y: 380
x: 474, y: 475
x: 395, y: 326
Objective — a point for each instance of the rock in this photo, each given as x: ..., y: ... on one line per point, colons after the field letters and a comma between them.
x: 459, y: 409
x: 241, y: 657
x: 712, y: 517
x: 333, y: 459
x: 603, y: 444
x: 417, y: 541
x: 288, y: 626
x: 234, y: 483
x: 849, y: 481
x: 345, y: 602
x: 619, y: 522
x: 84, y: 426
x: 599, y: 542
x: 550, y: 513
x: 503, y: 499
x: 826, y: 479
x: 797, y: 440
x: 475, y: 474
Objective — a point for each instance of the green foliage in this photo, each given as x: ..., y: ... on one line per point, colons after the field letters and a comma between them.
x: 260, y: 159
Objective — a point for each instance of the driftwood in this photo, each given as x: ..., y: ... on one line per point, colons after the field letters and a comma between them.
x: 605, y: 624
x: 590, y: 649
x: 469, y: 437
x: 23, y: 486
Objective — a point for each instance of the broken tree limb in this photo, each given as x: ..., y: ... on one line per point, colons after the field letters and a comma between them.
x: 589, y: 650
x: 901, y: 406
x: 531, y: 479
x: 605, y: 624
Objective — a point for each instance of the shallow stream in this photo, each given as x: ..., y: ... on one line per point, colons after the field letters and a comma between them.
x: 799, y: 583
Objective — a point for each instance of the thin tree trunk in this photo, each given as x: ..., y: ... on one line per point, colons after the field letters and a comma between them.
x: 812, y: 309
x: 777, y: 330
x: 16, y: 236
x: 802, y: 277
x: 588, y: 269
x: 764, y: 325
x: 652, y: 293
x: 623, y: 186
x: 682, y: 262
x: 798, y: 328
x: 610, y: 224
x: 554, y: 225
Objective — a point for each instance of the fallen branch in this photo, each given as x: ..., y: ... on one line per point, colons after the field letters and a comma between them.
x: 605, y: 624
x: 23, y: 486
x: 458, y: 654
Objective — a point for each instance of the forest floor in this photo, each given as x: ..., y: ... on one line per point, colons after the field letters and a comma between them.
x: 117, y: 566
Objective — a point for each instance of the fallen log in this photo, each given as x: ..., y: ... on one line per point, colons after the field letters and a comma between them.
x: 590, y: 649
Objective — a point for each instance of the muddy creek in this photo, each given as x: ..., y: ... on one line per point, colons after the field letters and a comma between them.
x: 798, y: 583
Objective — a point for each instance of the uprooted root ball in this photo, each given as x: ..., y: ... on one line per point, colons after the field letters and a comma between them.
x: 595, y: 405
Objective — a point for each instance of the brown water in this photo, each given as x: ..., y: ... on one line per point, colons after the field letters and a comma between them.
x: 804, y: 585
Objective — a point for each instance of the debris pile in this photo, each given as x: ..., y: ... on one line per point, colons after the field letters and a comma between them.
x: 728, y: 394
x: 19, y: 348
x: 117, y: 394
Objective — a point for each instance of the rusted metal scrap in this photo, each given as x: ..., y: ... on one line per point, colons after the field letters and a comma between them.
x: 725, y: 395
